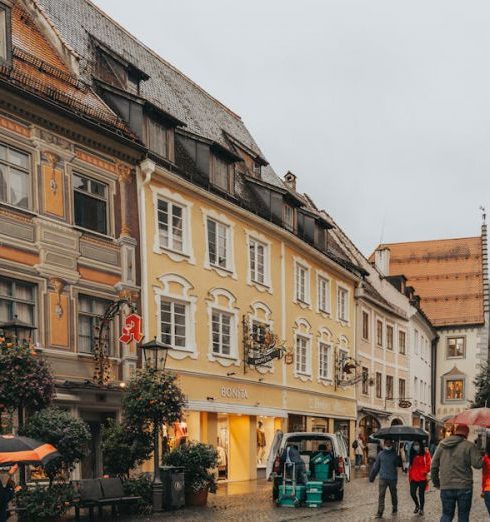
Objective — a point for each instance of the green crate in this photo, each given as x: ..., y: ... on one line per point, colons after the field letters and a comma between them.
x: 313, y: 503
x: 290, y: 496
x: 314, y: 497
x: 314, y: 486
x: 322, y: 472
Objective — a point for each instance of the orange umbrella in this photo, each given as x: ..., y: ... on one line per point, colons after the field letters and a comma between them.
x: 23, y: 450
x: 473, y: 417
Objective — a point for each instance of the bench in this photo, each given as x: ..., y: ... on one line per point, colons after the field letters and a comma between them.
x: 97, y: 493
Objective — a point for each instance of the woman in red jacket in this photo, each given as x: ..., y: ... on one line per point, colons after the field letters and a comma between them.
x: 485, y: 479
x: 417, y: 474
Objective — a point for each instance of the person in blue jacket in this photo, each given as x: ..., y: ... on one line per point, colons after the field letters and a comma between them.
x: 386, y: 465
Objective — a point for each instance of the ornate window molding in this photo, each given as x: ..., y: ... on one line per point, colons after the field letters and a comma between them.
x: 230, y: 269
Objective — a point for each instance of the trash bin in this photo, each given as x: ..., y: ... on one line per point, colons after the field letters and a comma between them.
x: 172, y: 478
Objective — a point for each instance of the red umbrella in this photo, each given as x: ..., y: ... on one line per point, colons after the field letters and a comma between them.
x: 473, y: 417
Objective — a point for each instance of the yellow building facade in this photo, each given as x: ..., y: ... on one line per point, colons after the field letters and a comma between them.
x: 212, y: 273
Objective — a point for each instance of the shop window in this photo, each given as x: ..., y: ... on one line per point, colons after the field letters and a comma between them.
x: 302, y: 283
x: 365, y: 325
x: 365, y: 381
x: 223, y: 174
x: 389, y: 387
x: 456, y: 348
x: 342, y: 304
x: 401, y: 388
x: 378, y: 385
x: 219, y: 244
x: 302, y: 355
x: 325, y: 353
x: 18, y: 301
x: 221, y: 332
x: 156, y: 137
x: 90, y: 203
x: 15, y: 176
x: 258, y: 253
x: 454, y: 389
x: 90, y: 312
x: 323, y: 289
x: 379, y: 333
x: 402, y: 342
x: 173, y: 323
x: 171, y: 225
x: 389, y: 337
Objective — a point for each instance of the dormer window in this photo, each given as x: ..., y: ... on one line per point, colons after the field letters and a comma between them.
x: 4, y: 33
x: 256, y: 169
x: 223, y: 174
x: 156, y: 137
x: 288, y: 217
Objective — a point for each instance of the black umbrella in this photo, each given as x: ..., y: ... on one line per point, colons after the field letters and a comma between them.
x: 401, y: 433
x: 23, y: 450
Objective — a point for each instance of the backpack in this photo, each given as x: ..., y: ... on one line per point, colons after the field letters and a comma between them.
x: 355, y: 444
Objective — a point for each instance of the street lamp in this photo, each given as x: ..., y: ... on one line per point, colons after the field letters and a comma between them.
x: 155, y: 355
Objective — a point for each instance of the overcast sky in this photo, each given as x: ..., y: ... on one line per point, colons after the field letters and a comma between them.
x: 380, y: 107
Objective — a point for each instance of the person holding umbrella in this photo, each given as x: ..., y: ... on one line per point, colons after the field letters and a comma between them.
x: 7, y: 489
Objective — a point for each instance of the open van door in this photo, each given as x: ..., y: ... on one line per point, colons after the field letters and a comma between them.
x: 345, y: 454
x: 276, y: 443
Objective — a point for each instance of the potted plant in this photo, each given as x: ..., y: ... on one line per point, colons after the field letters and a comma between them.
x: 198, y: 460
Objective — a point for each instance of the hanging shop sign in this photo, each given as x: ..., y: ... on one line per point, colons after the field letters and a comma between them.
x: 260, y: 344
x: 131, y: 330
x: 404, y: 404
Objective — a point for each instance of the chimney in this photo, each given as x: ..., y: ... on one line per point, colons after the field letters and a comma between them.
x: 382, y: 260
x: 290, y: 180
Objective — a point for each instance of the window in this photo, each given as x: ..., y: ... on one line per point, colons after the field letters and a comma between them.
x: 402, y: 342
x: 173, y: 323
x: 379, y: 332
x: 4, y: 33
x: 401, y: 388
x: 258, y: 261
x: 171, y: 225
x: 415, y: 388
x: 365, y: 381
x: 222, y: 174
x: 324, y: 360
x: 454, y: 389
x: 365, y: 325
x: 90, y: 312
x: 221, y: 329
x: 18, y: 300
x: 416, y: 342
x: 157, y: 137
x: 389, y: 337
x: 288, y: 217
x: 343, y: 304
x: 219, y: 244
x: 378, y: 385
x: 455, y: 347
x: 90, y: 203
x: 301, y: 357
x: 15, y: 174
x: 323, y: 294
x: 302, y: 283
x: 389, y: 387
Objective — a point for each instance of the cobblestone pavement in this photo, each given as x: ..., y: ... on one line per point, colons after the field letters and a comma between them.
x: 359, y: 504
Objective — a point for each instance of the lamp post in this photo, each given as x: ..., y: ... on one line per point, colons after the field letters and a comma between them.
x: 155, y: 355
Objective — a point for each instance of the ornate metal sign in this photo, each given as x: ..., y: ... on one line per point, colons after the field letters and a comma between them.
x: 260, y: 344
x: 404, y: 404
x: 131, y: 330
x: 348, y: 371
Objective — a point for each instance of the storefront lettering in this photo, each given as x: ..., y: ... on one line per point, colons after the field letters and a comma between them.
x: 233, y: 393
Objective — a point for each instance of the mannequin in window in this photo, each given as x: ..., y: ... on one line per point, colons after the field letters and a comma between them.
x: 180, y: 432
x: 261, y: 442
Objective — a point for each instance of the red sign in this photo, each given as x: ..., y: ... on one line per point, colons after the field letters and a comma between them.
x: 131, y: 331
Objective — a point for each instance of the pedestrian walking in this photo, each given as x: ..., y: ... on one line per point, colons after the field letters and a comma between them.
x: 386, y: 464
x: 485, y: 479
x: 358, y: 447
x: 452, y: 474
x: 419, y: 467
x: 372, y: 452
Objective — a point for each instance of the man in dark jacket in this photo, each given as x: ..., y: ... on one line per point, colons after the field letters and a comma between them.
x: 386, y: 465
x: 451, y: 472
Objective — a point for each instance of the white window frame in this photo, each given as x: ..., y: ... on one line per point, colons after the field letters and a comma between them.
x: 303, y: 265
x: 303, y: 329
x: 321, y: 277
x: 380, y: 344
x: 229, y: 270
x: 392, y: 326
x: 221, y: 314
x: 401, y: 330
x: 260, y: 239
x: 341, y: 288
x: 185, y: 297
x: 214, y: 303
x: 329, y: 348
x: 307, y: 355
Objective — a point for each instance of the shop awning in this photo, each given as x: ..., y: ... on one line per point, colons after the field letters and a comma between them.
x: 236, y: 409
x: 374, y: 412
x: 429, y: 416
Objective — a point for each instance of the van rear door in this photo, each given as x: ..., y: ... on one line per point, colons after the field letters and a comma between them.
x: 344, y: 452
x: 274, y: 451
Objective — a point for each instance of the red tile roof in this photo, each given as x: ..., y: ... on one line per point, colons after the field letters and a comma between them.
x: 447, y: 274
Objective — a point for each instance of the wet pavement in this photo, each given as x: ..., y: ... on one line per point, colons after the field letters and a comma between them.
x: 251, y: 501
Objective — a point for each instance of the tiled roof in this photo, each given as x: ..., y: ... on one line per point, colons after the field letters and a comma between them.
x: 167, y: 88
x: 447, y: 274
x: 37, y: 67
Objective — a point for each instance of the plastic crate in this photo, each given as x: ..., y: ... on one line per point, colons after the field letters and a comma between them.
x: 322, y: 472
x: 290, y: 496
x: 313, y: 503
x: 314, y: 486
